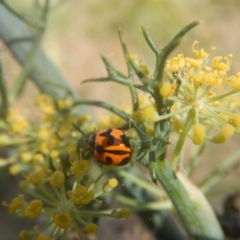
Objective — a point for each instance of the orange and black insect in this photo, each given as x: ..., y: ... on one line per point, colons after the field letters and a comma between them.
x: 110, y: 147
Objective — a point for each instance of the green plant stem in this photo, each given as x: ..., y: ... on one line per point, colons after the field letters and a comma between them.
x: 105, y: 170
x: 76, y: 228
x: 20, y: 16
x: 3, y: 94
x: 194, y: 160
x: 199, y: 223
x: 12, y: 28
x: 148, y: 186
x: 105, y: 105
x: 160, y: 62
x: 105, y: 213
x: 144, y: 206
x: 181, y: 140
x: 22, y: 79
x: 132, y: 89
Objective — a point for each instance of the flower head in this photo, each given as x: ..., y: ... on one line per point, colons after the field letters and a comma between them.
x: 46, y: 104
x: 79, y: 168
x: 56, y: 179
x: 16, y: 206
x: 202, y: 92
x: 81, y: 195
x: 34, y: 208
x: 37, y: 176
x: 63, y: 220
x: 18, y: 122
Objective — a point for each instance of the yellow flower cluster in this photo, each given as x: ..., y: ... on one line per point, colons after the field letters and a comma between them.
x: 20, y: 207
x: 18, y: 122
x: 61, y: 208
x: 47, y: 133
x: 206, y: 92
x: 46, y: 159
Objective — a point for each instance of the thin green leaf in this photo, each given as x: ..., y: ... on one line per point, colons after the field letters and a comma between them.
x: 105, y: 105
x: 3, y: 93
x: 151, y: 42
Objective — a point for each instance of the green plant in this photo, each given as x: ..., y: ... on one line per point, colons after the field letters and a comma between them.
x: 185, y: 97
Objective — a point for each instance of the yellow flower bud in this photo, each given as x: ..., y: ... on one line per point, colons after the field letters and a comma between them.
x: 44, y: 133
x: 236, y: 120
x: 227, y: 131
x: 110, y: 184
x: 149, y: 130
x: 198, y: 134
x: 64, y: 103
x: 165, y: 90
x: 26, y: 156
x: 120, y: 213
x: 91, y: 228
x: 5, y: 139
x: 149, y: 113
x: 84, y: 118
x: 54, y: 154
x: 15, y: 169
x: 38, y: 157
x: 219, y: 139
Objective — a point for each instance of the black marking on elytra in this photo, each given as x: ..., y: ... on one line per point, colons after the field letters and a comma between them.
x: 107, y: 134
x: 125, y: 140
x: 108, y: 160
x: 99, y: 149
x: 125, y: 161
x: 111, y: 139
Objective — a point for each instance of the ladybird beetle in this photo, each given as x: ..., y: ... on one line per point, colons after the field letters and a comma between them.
x: 110, y: 146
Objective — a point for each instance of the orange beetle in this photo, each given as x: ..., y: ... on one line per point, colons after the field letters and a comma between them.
x: 110, y: 147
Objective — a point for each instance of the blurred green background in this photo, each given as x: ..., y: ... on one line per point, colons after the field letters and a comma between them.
x: 79, y: 31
